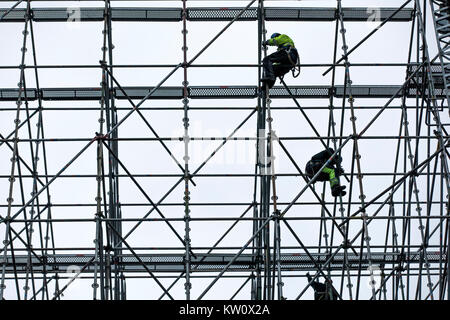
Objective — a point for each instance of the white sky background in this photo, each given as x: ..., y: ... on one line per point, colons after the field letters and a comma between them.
x: 160, y: 43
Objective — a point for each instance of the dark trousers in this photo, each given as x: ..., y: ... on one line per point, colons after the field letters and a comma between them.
x: 278, y: 64
x: 327, y: 173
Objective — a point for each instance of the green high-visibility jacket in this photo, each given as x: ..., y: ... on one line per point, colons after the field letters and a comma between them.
x: 281, y: 41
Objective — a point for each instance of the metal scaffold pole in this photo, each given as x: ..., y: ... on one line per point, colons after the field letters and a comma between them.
x: 186, y: 197
x: 114, y: 209
x: 257, y: 254
x: 356, y: 154
x: 8, y: 242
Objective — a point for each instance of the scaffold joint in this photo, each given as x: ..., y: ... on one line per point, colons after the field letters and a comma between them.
x: 99, y: 215
x: 399, y: 269
x: 276, y: 215
x: 44, y: 259
x: 346, y: 244
x: 99, y: 136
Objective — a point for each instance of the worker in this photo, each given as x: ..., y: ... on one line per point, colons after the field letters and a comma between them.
x: 329, y: 173
x: 280, y: 62
x: 323, y: 291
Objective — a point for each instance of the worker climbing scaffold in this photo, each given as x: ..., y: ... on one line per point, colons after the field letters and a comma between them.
x: 323, y: 291
x: 280, y: 62
x: 329, y: 173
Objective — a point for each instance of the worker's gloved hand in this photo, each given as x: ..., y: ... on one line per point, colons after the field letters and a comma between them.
x: 265, y: 43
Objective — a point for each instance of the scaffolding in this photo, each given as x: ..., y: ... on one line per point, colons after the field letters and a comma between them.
x: 386, y: 235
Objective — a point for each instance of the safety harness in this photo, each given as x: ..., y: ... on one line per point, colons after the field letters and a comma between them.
x: 296, y: 64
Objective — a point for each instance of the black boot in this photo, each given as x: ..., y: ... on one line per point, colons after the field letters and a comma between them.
x: 338, y: 190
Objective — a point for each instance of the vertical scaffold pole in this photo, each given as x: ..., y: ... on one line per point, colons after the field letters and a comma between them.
x: 260, y: 153
x: 112, y: 119
x: 187, y: 239
x: 264, y: 165
x: 98, y: 260
x: 434, y: 109
x: 356, y: 154
x: 8, y: 232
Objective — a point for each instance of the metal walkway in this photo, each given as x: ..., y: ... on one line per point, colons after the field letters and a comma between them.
x: 202, y: 14
x: 174, y: 263
x: 211, y: 92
